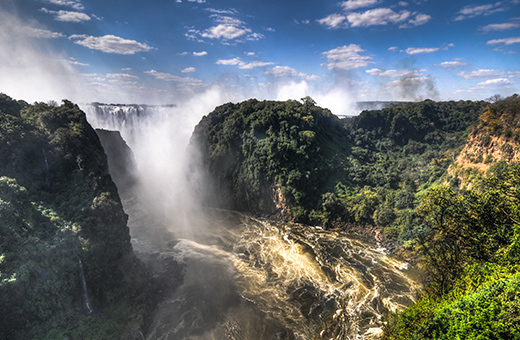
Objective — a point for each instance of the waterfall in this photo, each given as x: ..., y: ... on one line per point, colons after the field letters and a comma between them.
x: 46, y: 169
x: 84, y: 286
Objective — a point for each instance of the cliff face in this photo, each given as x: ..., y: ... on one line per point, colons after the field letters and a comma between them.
x: 496, y: 138
x: 58, y: 206
x: 120, y: 157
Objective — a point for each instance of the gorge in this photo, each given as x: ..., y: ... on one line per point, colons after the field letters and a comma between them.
x: 269, y: 220
x: 244, y: 277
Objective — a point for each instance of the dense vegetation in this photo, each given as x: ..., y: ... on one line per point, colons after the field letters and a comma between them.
x: 392, y: 169
x: 264, y: 156
x: 471, y: 251
x: 367, y: 170
x: 59, y: 206
x: 396, y: 169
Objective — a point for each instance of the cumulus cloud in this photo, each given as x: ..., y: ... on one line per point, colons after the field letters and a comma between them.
x: 171, y: 77
x: 228, y: 29
x: 283, y: 71
x: 242, y: 64
x: 67, y: 16
x: 42, y: 33
x: 472, y: 11
x: 372, y: 17
x: 287, y: 72
x: 453, y: 64
x: 377, y: 16
x: 395, y: 73
x: 420, y: 50
x: 234, y: 61
x: 505, y: 41
x: 225, y: 31
x: 420, y: 19
x: 346, y: 58
x: 74, y: 4
x: 355, y: 4
x: 488, y: 73
x: 110, y: 44
x: 494, y: 82
x: 334, y: 21
x: 200, y: 54
x: 189, y: 70
x: 122, y: 76
x: 502, y: 26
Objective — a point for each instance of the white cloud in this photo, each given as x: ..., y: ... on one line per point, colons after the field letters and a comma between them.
x: 171, y: 77
x: 200, y: 54
x: 225, y: 31
x: 110, y: 44
x: 234, y: 61
x: 501, y: 27
x: 402, y: 3
x: 287, y: 72
x: 228, y: 28
x: 506, y: 41
x: 395, y: 73
x: 189, y: 70
x: 75, y: 4
x: 43, y: 33
x: 488, y: 73
x: 241, y: 64
x: 472, y: 11
x: 419, y: 50
x: 420, y: 19
x: 346, y: 58
x: 122, y: 76
x: 494, y: 82
x: 378, y: 16
x: 67, y: 16
x: 392, y: 48
x: 334, y: 21
x: 254, y: 64
x: 283, y: 71
x: 453, y: 64
x: 354, y: 4
x: 74, y: 62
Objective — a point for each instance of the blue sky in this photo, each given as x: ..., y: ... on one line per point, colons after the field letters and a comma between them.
x: 163, y: 51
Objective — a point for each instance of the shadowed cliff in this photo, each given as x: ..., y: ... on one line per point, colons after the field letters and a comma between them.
x: 59, y: 207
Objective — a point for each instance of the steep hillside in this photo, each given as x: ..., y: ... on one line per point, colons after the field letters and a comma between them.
x: 270, y: 157
x: 496, y: 138
x: 65, y: 251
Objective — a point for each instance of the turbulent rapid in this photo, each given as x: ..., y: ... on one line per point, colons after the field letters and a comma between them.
x: 227, y: 275
x: 245, y: 278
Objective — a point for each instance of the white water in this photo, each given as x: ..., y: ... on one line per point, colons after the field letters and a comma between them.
x: 244, y: 278
x: 88, y: 306
x: 253, y: 279
x: 46, y: 169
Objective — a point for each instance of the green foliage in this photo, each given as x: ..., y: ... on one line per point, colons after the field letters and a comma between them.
x: 57, y: 204
x: 501, y: 119
x: 253, y: 147
x: 472, y: 257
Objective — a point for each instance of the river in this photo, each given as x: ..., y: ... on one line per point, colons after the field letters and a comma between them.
x: 226, y: 275
x: 241, y: 277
